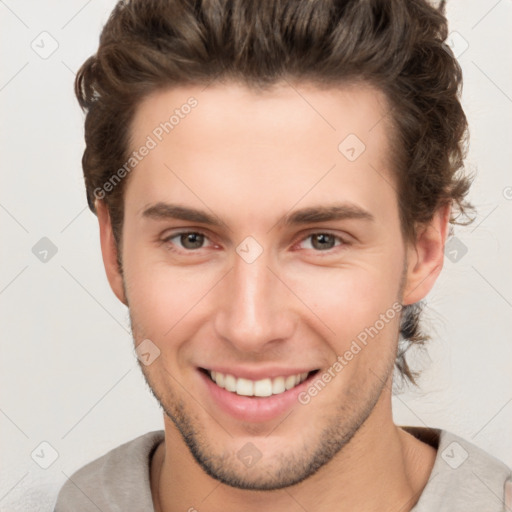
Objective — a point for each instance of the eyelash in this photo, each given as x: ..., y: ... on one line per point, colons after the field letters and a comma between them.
x: 167, y: 241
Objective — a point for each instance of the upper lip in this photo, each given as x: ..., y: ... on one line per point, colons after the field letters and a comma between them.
x: 259, y: 373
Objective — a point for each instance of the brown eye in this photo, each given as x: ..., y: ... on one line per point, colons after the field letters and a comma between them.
x: 322, y: 241
x: 188, y: 240
x: 192, y: 240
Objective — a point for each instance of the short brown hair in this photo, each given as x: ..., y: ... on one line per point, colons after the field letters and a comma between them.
x: 394, y: 45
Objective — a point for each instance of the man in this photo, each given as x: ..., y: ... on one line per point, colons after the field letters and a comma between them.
x: 274, y: 184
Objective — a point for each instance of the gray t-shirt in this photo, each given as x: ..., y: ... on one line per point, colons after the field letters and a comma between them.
x: 464, y: 478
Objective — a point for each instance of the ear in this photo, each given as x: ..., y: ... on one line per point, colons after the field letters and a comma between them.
x: 109, y: 251
x: 425, y: 256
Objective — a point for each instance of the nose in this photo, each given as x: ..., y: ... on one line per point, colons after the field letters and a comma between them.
x: 254, y: 309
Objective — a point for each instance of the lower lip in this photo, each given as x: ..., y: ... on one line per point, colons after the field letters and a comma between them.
x: 254, y: 409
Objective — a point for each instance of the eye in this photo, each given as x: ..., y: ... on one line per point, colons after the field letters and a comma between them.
x: 189, y: 240
x: 322, y: 241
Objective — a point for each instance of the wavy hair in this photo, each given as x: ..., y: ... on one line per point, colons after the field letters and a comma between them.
x: 397, y: 46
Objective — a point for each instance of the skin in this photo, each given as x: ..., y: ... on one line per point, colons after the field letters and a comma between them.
x: 250, y: 158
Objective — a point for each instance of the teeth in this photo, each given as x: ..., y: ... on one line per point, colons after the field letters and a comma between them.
x: 245, y: 387
x: 229, y: 382
x: 219, y: 378
x: 263, y: 387
x: 278, y: 385
x: 290, y: 382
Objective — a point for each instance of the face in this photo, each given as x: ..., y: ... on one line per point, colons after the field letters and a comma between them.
x: 262, y: 242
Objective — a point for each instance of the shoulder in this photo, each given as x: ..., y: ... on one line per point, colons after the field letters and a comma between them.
x: 118, y: 480
x: 464, y: 476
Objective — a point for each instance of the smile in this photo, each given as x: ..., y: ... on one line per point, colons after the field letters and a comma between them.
x: 258, y: 395
x: 259, y: 388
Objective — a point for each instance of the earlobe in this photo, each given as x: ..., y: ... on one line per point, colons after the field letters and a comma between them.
x: 425, y: 257
x: 109, y: 251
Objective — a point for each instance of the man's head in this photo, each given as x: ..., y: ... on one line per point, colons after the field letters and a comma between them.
x: 295, y: 189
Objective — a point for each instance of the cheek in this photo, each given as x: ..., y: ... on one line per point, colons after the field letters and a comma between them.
x: 165, y: 301
x: 160, y: 310
x: 160, y: 297
x: 352, y: 301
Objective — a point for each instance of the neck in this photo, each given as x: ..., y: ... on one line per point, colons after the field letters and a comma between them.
x: 381, y: 468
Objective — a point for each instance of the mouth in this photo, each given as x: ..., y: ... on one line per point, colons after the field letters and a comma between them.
x: 257, y: 388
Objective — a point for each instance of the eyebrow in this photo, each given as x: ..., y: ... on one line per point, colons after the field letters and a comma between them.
x: 161, y: 211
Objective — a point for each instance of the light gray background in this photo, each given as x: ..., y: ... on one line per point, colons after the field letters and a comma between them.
x: 68, y: 372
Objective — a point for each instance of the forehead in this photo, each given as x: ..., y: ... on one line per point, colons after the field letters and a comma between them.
x: 293, y: 142
x: 326, y: 113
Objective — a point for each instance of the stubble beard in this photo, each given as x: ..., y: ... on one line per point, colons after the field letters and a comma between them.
x: 275, y: 470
